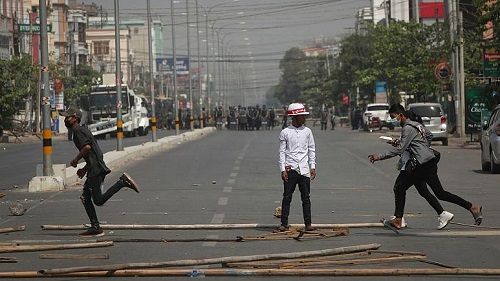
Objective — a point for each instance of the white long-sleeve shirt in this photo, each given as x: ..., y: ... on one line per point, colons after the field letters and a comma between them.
x: 297, y: 150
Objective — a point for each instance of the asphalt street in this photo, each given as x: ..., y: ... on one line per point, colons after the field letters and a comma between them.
x: 233, y: 177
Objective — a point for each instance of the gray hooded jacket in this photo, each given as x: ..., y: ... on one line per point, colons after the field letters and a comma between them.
x: 416, y: 140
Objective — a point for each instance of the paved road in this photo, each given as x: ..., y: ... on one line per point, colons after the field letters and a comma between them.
x: 232, y: 177
x: 23, y: 158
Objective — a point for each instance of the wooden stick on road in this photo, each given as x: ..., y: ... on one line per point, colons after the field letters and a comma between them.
x: 222, y: 260
x: 12, y: 229
x: 33, y: 248
x: 75, y: 256
x: 203, y: 226
x: 264, y: 272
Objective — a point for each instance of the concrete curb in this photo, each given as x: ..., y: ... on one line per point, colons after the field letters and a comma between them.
x: 115, y: 159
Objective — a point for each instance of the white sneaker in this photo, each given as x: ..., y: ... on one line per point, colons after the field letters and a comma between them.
x: 403, y: 222
x: 444, y: 218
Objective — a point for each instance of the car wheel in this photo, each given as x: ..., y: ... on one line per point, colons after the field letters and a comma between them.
x: 445, y: 141
x: 495, y: 168
x: 485, y: 165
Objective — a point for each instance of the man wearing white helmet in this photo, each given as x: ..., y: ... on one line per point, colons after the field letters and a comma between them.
x: 297, y: 160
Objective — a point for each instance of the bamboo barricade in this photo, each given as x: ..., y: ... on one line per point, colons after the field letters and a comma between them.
x: 8, y: 260
x: 263, y: 272
x: 13, y: 229
x: 202, y: 226
x: 34, y: 248
x: 177, y: 263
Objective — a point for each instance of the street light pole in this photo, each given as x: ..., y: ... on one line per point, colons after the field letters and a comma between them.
x: 191, y: 125
x: 151, y: 77
x: 174, y: 68
x: 118, y: 79
x: 200, y: 105
x: 44, y: 63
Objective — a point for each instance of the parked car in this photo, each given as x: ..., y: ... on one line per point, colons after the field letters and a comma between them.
x: 379, y: 112
x: 490, y: 143
x: 433, y: 118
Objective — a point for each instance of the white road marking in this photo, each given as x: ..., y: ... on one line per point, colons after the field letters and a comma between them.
x: 230, y: 181
x: 228, y: 188
x: 240, y: 157
x: 237, y: 162
x: 236, y: 168
x: 233, y: 175
x: 458, y: 233
x: 210, y: 244
x: 222, y: 201
x: 218, y: 218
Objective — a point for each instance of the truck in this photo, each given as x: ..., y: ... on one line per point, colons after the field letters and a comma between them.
x: 101, y: 105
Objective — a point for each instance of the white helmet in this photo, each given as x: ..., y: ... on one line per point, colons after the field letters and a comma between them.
x: 296, y: 109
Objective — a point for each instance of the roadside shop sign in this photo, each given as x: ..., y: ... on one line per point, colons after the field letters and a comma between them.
x: 491, y: 64
x: 478, y: 101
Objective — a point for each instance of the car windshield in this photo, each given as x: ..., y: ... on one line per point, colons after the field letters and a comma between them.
x: 427, y: 111
x: 377, y: 107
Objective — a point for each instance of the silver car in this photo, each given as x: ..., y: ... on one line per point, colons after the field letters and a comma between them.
x: 490, y: 143
x: 433, y: 118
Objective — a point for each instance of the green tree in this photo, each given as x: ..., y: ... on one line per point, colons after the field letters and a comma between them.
x: 80, y: 83
x: 18, y: 82
x: 293, y: 67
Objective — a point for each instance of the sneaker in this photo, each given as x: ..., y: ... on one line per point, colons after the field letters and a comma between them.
x: 129, y: 182
x: 444, y: 218
x: 403, y: 221
x: 309, y: 228
x: 283, y: 228
x: 92, y: 232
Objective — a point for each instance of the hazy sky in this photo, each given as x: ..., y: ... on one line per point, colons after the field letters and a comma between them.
x: 256, y: 33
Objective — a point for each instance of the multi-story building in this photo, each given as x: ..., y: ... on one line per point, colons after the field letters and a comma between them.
x: 11, y: 12
x: 424, y: 11
x: 102, y: 51
x: 77, y: 27
x: 138, y: 57
x: 364, y: 19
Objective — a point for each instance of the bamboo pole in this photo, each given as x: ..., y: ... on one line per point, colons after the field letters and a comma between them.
x: 276, y: 263
x: 202, y: 226
x: 8, y: 260
x: 396, y: 252
x: 326, y: 252
x: 33, y: 248
x: 13, y: 229
x: 75, y: 256
x: 264, y: 272
x: 359, y: 261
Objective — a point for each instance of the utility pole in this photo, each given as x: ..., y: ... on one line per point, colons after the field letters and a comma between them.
x: 462, y: 72
x: 174, y: 66
x: 208, y: 72
x: 151, y: 77
x: 44, y: 63
x: 199, y: 66
x: 191, y: 123
x: 386, y: 12
x: 118, y: 78
x: 416, y: 10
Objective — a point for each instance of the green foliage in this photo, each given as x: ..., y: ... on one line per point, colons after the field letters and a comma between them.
x: 80, y: 83
x: 18, y: 81
x: 293, y: 67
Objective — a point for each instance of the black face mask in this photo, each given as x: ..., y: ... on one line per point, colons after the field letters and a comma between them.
x: 68, y: 124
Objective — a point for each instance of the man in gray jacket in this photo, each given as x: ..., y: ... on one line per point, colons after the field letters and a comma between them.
x: 414, y: 141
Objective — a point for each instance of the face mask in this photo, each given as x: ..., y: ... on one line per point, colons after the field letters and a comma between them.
x: 67, y: 123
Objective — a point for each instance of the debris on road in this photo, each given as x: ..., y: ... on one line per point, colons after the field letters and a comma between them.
x: 75, y: 256
x: 12, y: 229
x: 17, y: 209
x: 48, y: 247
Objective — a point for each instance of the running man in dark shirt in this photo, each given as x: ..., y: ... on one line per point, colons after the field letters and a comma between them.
x: 95, y: 169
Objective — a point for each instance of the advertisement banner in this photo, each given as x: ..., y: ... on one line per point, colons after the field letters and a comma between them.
x: 165, y: 65
x: 478, y: 103
x: 380, y: 92
x: 491, y: 63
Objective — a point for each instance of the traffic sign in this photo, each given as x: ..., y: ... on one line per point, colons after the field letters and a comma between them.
x: 442, y: 71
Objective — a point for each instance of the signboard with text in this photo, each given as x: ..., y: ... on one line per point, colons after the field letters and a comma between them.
x: 491, y: 63
x: 478, y: 101
x: 165, y: 65
x: 35, y: 28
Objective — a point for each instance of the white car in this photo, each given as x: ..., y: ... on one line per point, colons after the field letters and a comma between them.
x: 380, y: 110
x: 434, y: 119
x: 490, y: 143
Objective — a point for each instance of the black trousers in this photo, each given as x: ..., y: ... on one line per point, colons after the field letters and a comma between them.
x: 304, y: 183
x: 424, y: 174
x: 92, y: 194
